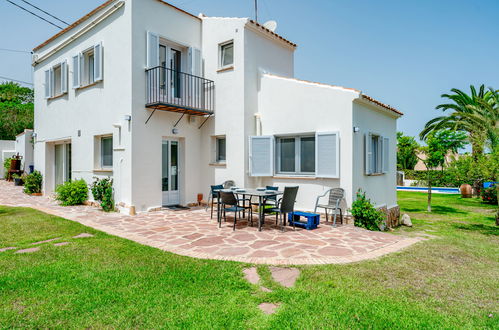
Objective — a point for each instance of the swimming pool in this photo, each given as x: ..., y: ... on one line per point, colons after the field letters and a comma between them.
x: 436, y: 190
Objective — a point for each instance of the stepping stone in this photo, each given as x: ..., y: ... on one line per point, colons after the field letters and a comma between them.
x: 46, y: 241
x: 61, y: 244
x: 268, y: 308
x: 30, y: 250
x: 7, y: 248
x: 285, y: 276
x: 251, y: 275
x: 83, y: 235
x: 264, y: 289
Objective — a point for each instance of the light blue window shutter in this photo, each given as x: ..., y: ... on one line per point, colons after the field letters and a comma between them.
x: 386, y: 155
x: 368, y: 154
x: 64, y: 77
x: 47, y: 84
x: 261, y: 156
x: 76, y: 71
x: 195, y: 61
x: 98, y: 61
x: 327, y: 155
x: 152, y: 50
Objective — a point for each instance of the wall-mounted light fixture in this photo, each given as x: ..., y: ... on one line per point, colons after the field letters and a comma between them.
x: 175, y: 131
x: 128, y: 118
x: 356, y: 129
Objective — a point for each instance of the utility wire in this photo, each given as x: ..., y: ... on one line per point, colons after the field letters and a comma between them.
x: 43, y: 11
x: 19, y: 81
x: 32, y: 13
x: 14, y: 50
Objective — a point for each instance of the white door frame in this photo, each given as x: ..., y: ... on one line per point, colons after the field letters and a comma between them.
x: 171, y: 197
x: 66, y: 173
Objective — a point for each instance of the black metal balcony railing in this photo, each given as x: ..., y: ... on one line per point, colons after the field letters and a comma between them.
x: 173, y: 90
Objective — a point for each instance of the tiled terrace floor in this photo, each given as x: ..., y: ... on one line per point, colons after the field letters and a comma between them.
x: 192, y: 233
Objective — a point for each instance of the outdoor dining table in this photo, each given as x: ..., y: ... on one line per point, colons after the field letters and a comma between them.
x: 261, y: 194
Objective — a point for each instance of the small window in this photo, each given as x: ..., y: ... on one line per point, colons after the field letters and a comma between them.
x: 296, y: 155
x: 106, y: 151
x: 88, y: 73
x: 227, y: 54
x: 57, y: 80
x: 375, y: 159
x: 221, y: 149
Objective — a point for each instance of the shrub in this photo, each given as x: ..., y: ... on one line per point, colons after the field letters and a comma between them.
x: 33, y: 183
x: 102, y: 191
x: 489, y: 195
x: 72, y: 192
x: 364, y: 213
x: 6, y: 166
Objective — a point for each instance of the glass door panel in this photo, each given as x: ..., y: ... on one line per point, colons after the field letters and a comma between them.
x: 59, y: 164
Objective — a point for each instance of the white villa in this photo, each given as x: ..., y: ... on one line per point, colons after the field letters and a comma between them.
x: 168, y: 103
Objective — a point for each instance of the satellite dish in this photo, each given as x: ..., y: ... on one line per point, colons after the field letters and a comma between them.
x: 271, y: 25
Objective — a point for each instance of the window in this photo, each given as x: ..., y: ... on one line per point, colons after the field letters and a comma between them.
x: 296, y: 155
x: 106, y: 151
x: 227, y: 54
x: 56, y: 82
x: 220, y: 149
x: 87, y: 66
x: 377, y: 157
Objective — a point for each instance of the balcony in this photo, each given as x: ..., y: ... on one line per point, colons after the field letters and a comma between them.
x: 171, y: 90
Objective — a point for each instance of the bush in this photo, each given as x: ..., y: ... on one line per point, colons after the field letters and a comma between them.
x: 489, y: 195
x: 33, y: 183
x: 364, y: 213
x: 72, y: 192
x: 102, y: 191
x: 6, y: 167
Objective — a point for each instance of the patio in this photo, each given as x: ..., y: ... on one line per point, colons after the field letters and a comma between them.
x: 193, y: 233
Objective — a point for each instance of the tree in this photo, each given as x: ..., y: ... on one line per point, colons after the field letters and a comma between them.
x: 463, y: 117
x: 16, y: 110
x: 439, y: 143
x: 407, y: 148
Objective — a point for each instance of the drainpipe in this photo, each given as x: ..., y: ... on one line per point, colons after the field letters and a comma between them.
x: 258, y: 124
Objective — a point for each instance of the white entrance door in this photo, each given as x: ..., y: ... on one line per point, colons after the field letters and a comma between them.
x: 170, y: 172
x: 62, y: 163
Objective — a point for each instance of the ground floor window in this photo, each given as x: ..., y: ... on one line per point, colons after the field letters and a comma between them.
x: 106, y: 151
x: 220, y: 149
x: 62, y: 163
x: 377, y: 154
x: 295, y: 155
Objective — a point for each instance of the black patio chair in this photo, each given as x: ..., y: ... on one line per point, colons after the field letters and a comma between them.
x: 229, y: 199
x: 284, y: 206
x: 213, y: 195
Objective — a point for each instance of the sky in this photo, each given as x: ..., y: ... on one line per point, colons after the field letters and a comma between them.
x: 403, y: 53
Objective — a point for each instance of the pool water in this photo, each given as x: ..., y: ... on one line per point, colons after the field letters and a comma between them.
x: 437, y: 190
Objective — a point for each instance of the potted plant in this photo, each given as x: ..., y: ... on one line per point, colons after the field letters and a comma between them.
x: 18, y: 180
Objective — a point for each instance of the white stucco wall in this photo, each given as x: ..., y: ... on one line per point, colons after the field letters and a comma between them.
x: 92, y: 110
x: 24, y: 146
x: 381, y: 189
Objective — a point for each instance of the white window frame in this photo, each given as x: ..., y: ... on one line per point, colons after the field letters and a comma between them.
x: 217, y: 149
x: 222, y: 54
x: 298, y: 171
x: 375, y: 160
x: 83, y: 71
x: 101, y: 151
x: 50, y: 77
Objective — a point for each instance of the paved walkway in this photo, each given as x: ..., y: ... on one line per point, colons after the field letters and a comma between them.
x: 192, y: 233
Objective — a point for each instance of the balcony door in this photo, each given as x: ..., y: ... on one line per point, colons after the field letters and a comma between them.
x: 170, y: 59
x: 170, y: 172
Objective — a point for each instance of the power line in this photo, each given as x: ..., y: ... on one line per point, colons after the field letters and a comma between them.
x: 32, y: 13
x: 14, y: 50
x: 43, y: 11
x: 15, y: 80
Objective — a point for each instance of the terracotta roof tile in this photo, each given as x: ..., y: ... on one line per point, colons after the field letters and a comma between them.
x: 386, y: 106
x: 273, y: 33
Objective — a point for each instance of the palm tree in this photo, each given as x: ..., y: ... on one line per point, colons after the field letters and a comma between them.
x: 467, y: 110
x: 485, y: 117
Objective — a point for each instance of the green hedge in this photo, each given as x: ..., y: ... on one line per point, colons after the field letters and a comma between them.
x: 439, y: 178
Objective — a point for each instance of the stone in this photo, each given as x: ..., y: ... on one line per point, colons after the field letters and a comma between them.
x: 30, y: 250
x: 406, y: 220
x: 61, y: 244
x: 268, y: 308
x: 264, y: 289
x: 7, y: 248
x: 285, y: 276
x: 251, y: 275
x: 46, y: 241
x: 83, y: 235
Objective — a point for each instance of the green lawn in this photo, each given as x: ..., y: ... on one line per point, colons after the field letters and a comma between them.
x: 449, y: 281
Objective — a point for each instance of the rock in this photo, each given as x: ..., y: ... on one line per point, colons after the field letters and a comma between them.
x: 406, y: 220
x: 251, y: 275
x: 7, y: 248
x: 285, y: 276
x: 83, y: 235
x: 264, y: 289
x: 30, y: 250
x: 61, y: 244
x: 268, y: 308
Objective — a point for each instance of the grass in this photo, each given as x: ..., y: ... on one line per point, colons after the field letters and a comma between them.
x: 449, y: 281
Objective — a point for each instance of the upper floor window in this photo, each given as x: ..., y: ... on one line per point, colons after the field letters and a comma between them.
x: 88, y: 66
x: 56, y: 82
x: 227, y: 54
